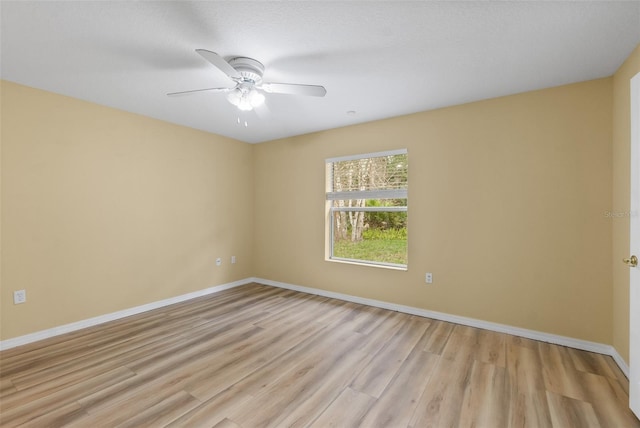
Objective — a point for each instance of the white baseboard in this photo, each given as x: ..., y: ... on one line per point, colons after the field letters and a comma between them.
x: 67, y: 328
x: 471, y: 322
x: 620, y: 361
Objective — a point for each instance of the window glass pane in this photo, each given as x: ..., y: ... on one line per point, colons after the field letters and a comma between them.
x: 378, y: 173
x: 378, y: 236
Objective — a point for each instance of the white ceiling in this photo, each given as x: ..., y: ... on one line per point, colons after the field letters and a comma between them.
x: 377, y: 58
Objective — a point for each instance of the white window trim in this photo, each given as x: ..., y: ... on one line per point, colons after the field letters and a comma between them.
x: 367, y: 155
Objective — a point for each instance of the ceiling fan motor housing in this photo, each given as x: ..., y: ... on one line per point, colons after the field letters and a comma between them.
x: 250, y: 69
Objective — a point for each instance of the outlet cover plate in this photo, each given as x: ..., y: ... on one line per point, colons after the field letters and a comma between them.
x: 19, y: 296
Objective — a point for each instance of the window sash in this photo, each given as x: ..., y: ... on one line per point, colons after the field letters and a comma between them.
x: 361, y: 261
x: 368, y: 194
x: 369, y: 209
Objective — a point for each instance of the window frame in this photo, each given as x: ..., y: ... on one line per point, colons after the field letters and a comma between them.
x: 331, y: 196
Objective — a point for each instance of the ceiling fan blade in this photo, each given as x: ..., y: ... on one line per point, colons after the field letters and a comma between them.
x: 220, y: 63
x: 175, y: 94
x: 293, y: 89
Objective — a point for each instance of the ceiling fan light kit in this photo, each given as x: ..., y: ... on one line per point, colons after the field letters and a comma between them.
x: 247, y: 74
x: 245, y: 98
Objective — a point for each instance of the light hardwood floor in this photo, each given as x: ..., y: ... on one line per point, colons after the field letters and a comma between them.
x: 257, y: 356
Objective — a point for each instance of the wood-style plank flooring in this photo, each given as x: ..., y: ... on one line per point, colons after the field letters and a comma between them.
x: 257, y: 356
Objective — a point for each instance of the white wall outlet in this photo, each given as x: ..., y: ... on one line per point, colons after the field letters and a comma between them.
x: 19, y: 296
x: 428, y: 278
x: 233, y: 259
x: 218, y: 261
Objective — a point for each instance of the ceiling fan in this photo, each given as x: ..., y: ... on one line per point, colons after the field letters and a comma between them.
x: 247, y: 75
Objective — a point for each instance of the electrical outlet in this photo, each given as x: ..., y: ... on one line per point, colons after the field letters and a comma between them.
x: 218, y: 261
x: 233, y: 259
x: 19, y: 296
x: 428, y: 278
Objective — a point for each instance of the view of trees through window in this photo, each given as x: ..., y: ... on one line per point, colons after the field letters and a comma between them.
x: 369, y: 208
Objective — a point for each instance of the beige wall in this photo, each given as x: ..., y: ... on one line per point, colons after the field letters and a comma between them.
x: 507, y: 205
x: 621, y: 204
x: 104, y: 210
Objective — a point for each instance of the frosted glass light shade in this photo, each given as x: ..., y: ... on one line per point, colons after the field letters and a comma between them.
x: 245, y: 99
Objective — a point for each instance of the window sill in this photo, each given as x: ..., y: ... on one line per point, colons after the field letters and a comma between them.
x: 368, y: 264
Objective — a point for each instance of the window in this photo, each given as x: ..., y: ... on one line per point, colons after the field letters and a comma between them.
x: 367, y: 208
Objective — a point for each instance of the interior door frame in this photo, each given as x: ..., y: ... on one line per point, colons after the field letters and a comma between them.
x: 634, y: 247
